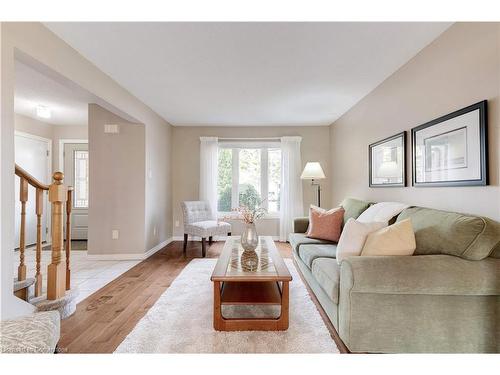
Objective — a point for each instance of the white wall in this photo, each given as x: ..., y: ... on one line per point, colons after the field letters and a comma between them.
x: 38, y: 43
x: 459, y: 68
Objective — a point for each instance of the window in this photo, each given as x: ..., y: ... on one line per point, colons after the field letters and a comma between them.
x: 81, y: 183
x: 249, y: 175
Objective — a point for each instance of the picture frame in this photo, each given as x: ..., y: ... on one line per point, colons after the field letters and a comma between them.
x: 452, y: 150
x: 387, y: 162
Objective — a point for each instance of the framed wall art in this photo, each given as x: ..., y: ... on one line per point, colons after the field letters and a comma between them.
x: 387, y: 162
x: 452, y: 150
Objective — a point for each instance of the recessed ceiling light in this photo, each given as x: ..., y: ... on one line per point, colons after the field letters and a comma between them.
x: 42, y: 111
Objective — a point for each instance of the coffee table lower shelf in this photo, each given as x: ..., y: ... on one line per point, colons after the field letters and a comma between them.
x: 251, y: 293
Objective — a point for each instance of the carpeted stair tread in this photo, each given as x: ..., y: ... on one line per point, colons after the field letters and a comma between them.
x: 18, y: 285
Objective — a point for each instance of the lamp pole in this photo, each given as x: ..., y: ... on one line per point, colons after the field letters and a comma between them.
x: 319, y: 190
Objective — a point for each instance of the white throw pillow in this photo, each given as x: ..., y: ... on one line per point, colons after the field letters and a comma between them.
x: 383, y: 211
x: 353, y: 237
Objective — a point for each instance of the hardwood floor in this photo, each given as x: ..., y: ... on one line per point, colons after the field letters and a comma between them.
x: 105, y: 318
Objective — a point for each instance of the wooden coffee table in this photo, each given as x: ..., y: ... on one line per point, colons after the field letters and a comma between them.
x: 259, y: 278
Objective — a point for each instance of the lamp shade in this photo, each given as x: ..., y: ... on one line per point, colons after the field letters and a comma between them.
x: 312, y: 171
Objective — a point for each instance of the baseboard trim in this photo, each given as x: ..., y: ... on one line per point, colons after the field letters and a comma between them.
x: 216, y: 238
x: 158, y: 247
x: 136, y: 256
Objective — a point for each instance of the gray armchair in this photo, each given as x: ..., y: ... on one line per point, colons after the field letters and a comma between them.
x: 199, y: 220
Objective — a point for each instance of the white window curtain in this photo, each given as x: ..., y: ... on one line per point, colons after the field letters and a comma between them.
x: 291, y: 205
x: 209, y: 172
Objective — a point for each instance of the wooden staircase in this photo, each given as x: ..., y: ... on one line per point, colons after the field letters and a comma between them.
x: 59, y: 269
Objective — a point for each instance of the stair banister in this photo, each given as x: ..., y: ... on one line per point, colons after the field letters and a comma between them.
x: 60, y: 197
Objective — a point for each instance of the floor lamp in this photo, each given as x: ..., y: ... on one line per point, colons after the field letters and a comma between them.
x: 313, y: 171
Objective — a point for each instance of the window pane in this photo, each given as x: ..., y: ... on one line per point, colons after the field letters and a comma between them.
x: 274, y: 179
x: 249, y: 177
x: 81, y: 182
x: 224, y: 182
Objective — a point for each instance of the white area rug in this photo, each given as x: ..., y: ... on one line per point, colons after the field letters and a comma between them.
x: 181, y: 321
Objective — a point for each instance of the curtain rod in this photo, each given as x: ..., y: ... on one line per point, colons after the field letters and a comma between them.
x: 250, y: 139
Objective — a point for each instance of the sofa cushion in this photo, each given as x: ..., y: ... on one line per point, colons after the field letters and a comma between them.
x: 298, y: 239
x: 310, y: 252
x: 441, y: 232
x: 353, y: 208
x: 326, y: 271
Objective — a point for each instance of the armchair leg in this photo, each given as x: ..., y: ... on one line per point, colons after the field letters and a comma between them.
x: 203, y: 247
x: 185, y: 242
x: 210, y: 240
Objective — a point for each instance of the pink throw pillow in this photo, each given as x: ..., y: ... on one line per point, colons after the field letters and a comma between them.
x: 325, y: 225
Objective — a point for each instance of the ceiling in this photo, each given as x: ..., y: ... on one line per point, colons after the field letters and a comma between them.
x: 249, y: 74
x: 33, y: 88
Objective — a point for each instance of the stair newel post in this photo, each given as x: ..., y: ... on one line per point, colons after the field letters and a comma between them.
x: 69, y: 204
x: 23, y: 197
x: 56, y: 274
x: 39, y: 213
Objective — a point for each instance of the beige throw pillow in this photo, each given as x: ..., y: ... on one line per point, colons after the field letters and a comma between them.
x: 397, y: 239
x: 353, y: 238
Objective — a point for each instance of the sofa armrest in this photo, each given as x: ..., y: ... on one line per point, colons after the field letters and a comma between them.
x: 422, y: 274
x: 423, y: 303
x: 300, y: 224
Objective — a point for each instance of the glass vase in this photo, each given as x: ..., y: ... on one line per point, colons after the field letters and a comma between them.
x: 249, y: 238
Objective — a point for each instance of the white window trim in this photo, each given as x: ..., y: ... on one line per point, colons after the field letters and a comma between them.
x: 264, y: 168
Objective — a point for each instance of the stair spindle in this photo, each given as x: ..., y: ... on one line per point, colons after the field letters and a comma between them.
x: 39, y: 213
x: 69, y: 204
x: 23, y: 197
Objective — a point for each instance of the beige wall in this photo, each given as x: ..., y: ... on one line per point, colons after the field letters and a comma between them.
x: 53, y: 132
x: 65, y: 132
x: 116, y: 184
x: 35, y: 127
x: 315, y: 146
x: 459, y: 68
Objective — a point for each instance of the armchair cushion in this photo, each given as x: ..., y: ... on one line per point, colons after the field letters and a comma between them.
x: 207, y: 228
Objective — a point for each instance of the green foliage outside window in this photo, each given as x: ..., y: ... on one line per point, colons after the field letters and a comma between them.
x: 249, y: 197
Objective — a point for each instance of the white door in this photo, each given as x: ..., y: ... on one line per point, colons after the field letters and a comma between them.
x: 76, y: 174
x: 31, y: 154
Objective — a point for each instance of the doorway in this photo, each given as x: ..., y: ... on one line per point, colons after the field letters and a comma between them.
x: 76, y: 173
x: 33, y: 154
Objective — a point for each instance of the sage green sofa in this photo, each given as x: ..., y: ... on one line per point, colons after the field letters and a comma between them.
x: 443, y: 299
